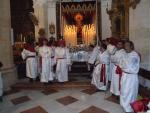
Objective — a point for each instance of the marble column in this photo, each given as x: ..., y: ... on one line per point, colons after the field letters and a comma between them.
x: 6, y: 57
x: 40, y: 11
x: 52, y: 15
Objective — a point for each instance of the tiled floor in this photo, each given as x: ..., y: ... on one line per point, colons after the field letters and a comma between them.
x: 71, y: 100
x: 67, y: 100
x: 113, y: 99
x: 93, y: 109
x: 20, y: 100
x: 89, y: 91
x: 48, y: 92
x: 37, y: 109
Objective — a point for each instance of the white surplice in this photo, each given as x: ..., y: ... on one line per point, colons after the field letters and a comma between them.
x: 46, y: 69
x: 1, y: 85
x: 62, y: 58
x: 89, y: 53
x: 129, y: 82
x: 104, y: 58
x: 52, y: 60
x: 111, y: 50
x: 31, y: 63
x: 94, y: 55
x: 115, y: 61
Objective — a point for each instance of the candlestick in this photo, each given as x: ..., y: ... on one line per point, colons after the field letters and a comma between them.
x: 24, y: 39
x: 12, y: 37
x: 21, y: 37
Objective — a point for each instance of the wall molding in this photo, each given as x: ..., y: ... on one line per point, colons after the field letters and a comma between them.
x: 6, y: 69
x: 134, y: 3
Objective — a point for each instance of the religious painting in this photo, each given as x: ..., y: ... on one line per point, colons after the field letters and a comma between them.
x: 119, y: 17
x: 51, y: 28
x: 79, y: 22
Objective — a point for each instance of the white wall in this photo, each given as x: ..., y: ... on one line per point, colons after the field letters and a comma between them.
x: 106, y: 31
x: 139, y: 31
x: 41, y: 14
x: 45, y: 11
x: 51, y: 16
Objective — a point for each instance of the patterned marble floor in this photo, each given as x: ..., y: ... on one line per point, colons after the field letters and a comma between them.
x: 69, y: 100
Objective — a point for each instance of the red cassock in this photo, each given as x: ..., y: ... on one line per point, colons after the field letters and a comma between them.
x: 41, y: 39
x: 113, y: 40
x: 140, y: 105
x: 29, y: 47
x: 61, y: 42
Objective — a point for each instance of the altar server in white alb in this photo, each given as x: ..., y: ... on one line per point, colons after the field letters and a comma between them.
x: 101, y: 71
x: 62, y: 58
x: 1, y: 83
x: 45, y: 62
x: 29, y: 54
x: 94, y: 54
x: 111, y: 48
x: 129, y: 82
x: 116, y: 70
x: 88, y: 56
x: 52, y: 45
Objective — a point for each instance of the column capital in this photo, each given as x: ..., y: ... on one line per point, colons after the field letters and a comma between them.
x: 51, y: 3
x: 39, y: 2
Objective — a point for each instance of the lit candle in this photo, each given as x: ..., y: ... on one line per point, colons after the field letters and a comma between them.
x: 24, y: 39
x: 21, y: 37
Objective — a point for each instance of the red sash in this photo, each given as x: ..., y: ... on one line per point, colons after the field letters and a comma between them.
x: 30, y: 57
x: 59, y: 59
x: 119, y: 72
x: 103, y: 74
x: 29, y: 48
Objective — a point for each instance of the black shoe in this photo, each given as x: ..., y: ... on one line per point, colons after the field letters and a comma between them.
x: 1, y: 99
x: 50, y: 82
x: 98, y: 90
x: 118, y: 98
x: 31, y: 80
x: 37, y: 78
x: 62, y: 83
x: 45, y: 83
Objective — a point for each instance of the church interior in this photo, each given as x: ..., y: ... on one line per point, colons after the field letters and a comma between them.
x: 82, y: 25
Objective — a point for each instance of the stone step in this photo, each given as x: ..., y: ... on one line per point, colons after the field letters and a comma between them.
x: 41, y: 86
x: 79, y: 63
x: 79, y: 74
x: 79, y: 66
x: 79, y: 71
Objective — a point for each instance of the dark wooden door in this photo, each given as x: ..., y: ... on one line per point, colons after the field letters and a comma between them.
x: 20, y: 21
